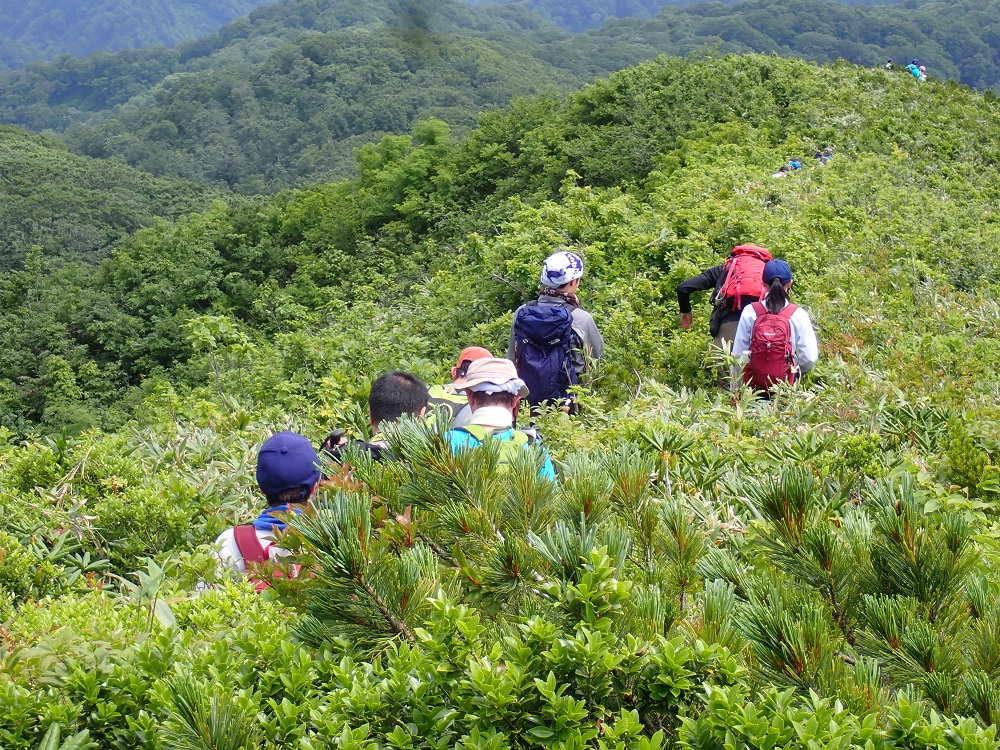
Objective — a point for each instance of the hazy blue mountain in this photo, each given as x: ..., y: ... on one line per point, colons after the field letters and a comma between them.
x: 578, y: 15
x: 43, y: 29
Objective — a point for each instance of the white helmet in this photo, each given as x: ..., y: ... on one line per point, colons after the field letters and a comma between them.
x: 561, y: 268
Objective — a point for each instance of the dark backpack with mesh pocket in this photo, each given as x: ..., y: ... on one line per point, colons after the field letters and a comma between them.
x: 543, y: 345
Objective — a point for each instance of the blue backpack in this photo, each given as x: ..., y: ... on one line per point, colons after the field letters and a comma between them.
x: 543, y: 341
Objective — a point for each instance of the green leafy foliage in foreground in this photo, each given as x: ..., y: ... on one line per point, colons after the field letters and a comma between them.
x: 668, y: 593
x: 39, y: 29
x: 819, y: 569
x: 72, y: 208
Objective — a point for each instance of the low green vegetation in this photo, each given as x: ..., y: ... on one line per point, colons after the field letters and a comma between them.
x: 819, y: 569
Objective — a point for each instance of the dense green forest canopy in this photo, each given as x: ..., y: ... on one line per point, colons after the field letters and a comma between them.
x: 44, y: 29
x: 260, y: 105
x: 284, y: 96
x: 72, y: 208
x: 818, y: 570
x: 956, y: 40
x: 579, y: 15
x: 419, y: 200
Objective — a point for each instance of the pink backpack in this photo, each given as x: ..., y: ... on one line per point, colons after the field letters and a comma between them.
x: 744, y: 271
x: 772, y: 354
x: 255, y: 555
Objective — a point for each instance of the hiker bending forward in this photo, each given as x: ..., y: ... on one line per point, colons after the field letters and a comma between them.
x: 735, y: 284
x: 552, y: 338
x: 775, y: 340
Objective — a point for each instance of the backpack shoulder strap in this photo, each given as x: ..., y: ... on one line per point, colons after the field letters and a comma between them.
x: 477, y: 431
x: 789, y: 311
x: 758, y: 307
x: 480, y: 433
x: 249, y: 545
x: 521, y: 438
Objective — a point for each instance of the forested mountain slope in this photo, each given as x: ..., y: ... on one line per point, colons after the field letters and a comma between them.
x: 44, y: 29
x: 74, y: 208
x: 265, y: 104
x: 956, y: 40
x: 652, y: 174
x: 579, y: 15
x: 817, y: 570
x: 283, y: 96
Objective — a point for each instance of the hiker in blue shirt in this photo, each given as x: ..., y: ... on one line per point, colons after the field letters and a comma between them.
x: 495, y: 391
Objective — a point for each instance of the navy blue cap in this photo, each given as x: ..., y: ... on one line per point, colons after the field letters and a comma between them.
x: 777, y: 269
x: 286, y: 461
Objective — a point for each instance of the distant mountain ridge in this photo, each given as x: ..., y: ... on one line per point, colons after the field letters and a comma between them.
x: 285, y: 95
x: 579, y: 15
x: 43, y: 29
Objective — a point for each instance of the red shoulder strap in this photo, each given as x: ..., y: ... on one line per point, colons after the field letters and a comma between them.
x: 789, y: 311
x: 249, y: 545
x: 758, y: 307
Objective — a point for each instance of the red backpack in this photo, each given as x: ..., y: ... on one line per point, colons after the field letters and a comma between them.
x: 772, y: 355
x: 256, y: 554
x: 744, y: 271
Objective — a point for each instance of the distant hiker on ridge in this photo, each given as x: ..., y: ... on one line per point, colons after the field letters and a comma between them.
x: 735, y: 284
x: 552, y: 338
x: 775, y: 339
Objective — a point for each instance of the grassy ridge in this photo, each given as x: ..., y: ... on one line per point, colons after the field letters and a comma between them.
x: 820, y: 569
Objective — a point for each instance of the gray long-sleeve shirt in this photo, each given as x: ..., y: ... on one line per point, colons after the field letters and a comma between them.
x: 588, y: 338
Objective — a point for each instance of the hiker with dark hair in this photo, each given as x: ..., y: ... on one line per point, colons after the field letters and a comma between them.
x: 735, y: 284
x: 495, y: 391
x: 775, y: 338
x: 552, y: 339
x: 391, y: 396
x: 448, y: 401
x: 287, y: 475
x: 395, y: 394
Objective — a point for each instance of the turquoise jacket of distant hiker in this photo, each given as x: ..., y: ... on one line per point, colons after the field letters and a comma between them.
x: 461, y: 440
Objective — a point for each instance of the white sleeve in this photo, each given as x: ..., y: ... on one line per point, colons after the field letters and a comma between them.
x: 741, y: 342
x: 228, y: 553
x: 806, y: 345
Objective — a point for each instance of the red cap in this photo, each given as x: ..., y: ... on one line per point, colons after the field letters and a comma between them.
x: 470, y: 354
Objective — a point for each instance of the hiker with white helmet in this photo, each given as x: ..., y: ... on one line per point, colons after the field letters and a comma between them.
x: 552, y: 339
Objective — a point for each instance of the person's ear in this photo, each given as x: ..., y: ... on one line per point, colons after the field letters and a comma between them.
x: 788, y: 286
x: 422, y: 412
x: 454, y: 374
